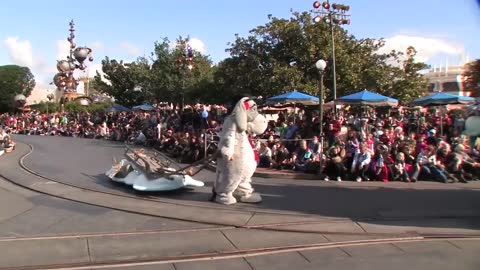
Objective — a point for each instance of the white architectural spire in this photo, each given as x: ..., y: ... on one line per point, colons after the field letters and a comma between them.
x: 446, y: 67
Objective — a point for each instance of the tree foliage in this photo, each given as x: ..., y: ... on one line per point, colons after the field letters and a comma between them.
x: 273, y: 58
x: 472, y: 77
x: 162, y: 77
x: 280, y: 56
x: 122, y: 82
x: 14, y: 80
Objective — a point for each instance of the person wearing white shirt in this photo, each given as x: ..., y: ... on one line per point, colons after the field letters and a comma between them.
x: 265, y: 155
x: 140, y: 139
x: 361, y: 163
x: 427, y: 163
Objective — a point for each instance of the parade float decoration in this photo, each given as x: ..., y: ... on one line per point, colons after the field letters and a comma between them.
x: 150, y: 171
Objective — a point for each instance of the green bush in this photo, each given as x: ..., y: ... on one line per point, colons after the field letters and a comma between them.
x: 92, y: 108
x: 73, y: 106
x: 44, y: 107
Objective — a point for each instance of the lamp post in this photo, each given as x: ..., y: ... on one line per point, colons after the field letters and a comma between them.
x: 320, y: 65
x: 335, y: 14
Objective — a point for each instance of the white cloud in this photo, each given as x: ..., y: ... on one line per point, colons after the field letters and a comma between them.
x: 20, y: 51
x: 427, y: 47
x: 97, y: 46
x: 90, y: 71
x: 63, y: 50
x: 197, y: 45
x: 130, y: 49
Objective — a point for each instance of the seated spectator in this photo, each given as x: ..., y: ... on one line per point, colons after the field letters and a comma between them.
x: 334, y: 167
x: 301, y: 162
x: 102, y: 131
x: 381, y: 164
x: 400, y: 170
x: 314, y: 145
x: 7, y: 145
x: 140, y: 139
x: 427, y: 165
x: 2, y: 141
x: 360, y: 164
x: 265, y: 155
x: 351, y: 148
x: 462, y: 165
x: 3, y: 135
x: 281, y: 157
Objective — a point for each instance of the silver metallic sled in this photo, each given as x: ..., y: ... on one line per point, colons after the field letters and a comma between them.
x: 146, y: 172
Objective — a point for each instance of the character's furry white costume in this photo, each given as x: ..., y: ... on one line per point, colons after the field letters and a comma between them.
x: 236, y: 164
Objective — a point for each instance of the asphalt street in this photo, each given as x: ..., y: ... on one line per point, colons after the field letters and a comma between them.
x: 309, y: 224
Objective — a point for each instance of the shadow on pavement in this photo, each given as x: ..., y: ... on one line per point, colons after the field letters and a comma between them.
x: 84, y: 162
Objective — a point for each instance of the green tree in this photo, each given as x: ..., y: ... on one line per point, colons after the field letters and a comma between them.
x: 121, y: 82
x: 14, y: 80
x: 472, y: 77
x: 162, y: 77
x: 174, y: 77
x: 409, y: 83
x: 280, y: 56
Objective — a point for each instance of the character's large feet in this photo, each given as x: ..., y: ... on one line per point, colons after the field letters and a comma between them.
x: 248, y: 198
x: 226, y: 199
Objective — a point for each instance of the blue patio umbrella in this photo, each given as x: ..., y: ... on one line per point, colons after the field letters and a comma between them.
x: 366, y: 97
x: 117, y: 108
x: 439, y: 99
x: 294, y: 97
x: 144, y: 107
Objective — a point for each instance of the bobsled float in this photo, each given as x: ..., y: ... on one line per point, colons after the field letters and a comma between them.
x: 146, y: 172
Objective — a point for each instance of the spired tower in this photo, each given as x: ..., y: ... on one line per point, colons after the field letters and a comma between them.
x: 64, y: 80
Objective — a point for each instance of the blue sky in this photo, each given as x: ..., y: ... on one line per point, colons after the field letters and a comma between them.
x: 32, y: 32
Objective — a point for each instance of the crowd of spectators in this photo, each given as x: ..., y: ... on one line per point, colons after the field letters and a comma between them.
x: 363, y: 146
x: 179, y: 135
x: 400, y: 146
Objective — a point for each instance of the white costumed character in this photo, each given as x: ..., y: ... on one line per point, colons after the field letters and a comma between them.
x: 236, y: 163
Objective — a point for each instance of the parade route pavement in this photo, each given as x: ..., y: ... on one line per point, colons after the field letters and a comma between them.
x: 68, y: 215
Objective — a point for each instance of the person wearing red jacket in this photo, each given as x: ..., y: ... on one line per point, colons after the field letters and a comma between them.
x: 255, y: 150
x: 333, y: 130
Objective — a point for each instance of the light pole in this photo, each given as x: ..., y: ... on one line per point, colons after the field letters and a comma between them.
x: 320, y: 65
x: 332, y: 14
